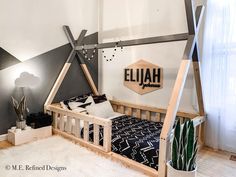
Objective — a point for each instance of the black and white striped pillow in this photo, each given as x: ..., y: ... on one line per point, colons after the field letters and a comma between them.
x: 83, y: 98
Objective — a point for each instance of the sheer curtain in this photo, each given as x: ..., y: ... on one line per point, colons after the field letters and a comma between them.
x: 219, y: 74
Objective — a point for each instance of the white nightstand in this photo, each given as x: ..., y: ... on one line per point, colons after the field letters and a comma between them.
x: 28, y: 135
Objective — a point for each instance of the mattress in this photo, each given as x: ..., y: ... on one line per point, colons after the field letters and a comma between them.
x: 134, y: 138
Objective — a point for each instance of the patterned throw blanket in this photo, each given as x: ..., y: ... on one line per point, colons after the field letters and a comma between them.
x: 135, y: 139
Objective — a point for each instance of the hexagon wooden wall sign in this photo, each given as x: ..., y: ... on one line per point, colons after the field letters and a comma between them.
x: 143, y: 77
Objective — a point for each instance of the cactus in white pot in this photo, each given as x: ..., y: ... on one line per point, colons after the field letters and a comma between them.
x: 21, y: 112
x: 184, y: 151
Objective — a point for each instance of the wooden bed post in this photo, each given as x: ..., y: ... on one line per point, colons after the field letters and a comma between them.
x: 170, y: 116
x: 80, y: 57
x: 59, y: 80
x: 67, y: 65
x: 196, y: 64
x: 190, y: 53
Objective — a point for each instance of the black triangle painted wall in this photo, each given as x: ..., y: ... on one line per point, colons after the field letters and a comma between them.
x: 6, y: 59
x: 48, y: 65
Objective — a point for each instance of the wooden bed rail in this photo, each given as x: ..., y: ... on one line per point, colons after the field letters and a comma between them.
x: 158, y: 115
x: 147, y: 112
x: 63, y: 121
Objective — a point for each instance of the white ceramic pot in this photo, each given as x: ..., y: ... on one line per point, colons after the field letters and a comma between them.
x: 21, y: 124
x: 171, y: 172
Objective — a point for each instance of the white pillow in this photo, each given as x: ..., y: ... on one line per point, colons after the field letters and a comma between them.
x: 103, y: 109
x: 74, y: 104
x: 90, y: 100
x: 115, y: 115
x: 79, y: 110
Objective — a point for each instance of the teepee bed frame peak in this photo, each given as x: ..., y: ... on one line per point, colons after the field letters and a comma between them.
x: 167, y: 116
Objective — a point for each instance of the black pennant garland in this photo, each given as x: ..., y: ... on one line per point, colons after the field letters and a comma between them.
x: 86, y: 55
x: 114, y: 52
x: 85, y: 52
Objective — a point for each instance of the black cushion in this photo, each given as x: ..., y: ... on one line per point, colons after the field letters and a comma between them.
x: 38, y: 120
x: 99, y: 98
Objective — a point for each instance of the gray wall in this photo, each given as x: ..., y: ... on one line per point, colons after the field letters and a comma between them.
x: 49, y: 64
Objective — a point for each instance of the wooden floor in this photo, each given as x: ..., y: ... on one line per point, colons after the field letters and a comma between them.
x: 5, y: 144
x: 215, y: 164
x: 210, y: 163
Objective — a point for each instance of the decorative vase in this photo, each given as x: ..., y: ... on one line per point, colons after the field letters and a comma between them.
x: 21, y: 124
x: 171, y: 172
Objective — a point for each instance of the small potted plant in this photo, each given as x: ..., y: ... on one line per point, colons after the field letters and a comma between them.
x: 21, y: 111
x: 184, y: 151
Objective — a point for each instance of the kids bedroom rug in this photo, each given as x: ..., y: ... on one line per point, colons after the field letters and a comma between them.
x: 58, y: 157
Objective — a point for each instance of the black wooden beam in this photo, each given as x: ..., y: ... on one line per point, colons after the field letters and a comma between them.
x: 199, y: 14
x: 190, y: 14
x: 193, y: 20
x: 188, y: 51
x: 69, y: 36
x: 81, y: 37
x: 191, y: 50
x: 73, y: 43
x: 143, y: 41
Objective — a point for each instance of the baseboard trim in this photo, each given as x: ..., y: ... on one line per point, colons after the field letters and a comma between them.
x: 3, y: 137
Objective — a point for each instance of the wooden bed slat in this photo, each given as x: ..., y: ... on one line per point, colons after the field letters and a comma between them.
x: 107, y: 138
x: 158, y: 117
x: 148, y: 115
x: 96, y: 134
x: 138, y: 113
x: 114, y: 108
x: 77, y: 128
x: 86, y: 130
x: 55, y: 116
x: 69, y: 125
x: 129, y: 113
x: 122, y: 109
x: 61, y: 122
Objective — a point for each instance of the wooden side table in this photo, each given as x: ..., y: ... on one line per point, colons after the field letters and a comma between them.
x: 28, y: 135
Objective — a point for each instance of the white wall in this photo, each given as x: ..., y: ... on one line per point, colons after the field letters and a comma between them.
x: 29, y: 28
x: 130, y: 19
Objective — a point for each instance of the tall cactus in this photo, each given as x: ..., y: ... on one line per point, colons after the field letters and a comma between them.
x: 184, y: 147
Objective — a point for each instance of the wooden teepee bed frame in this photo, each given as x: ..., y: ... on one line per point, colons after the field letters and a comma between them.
x: 167, y: 116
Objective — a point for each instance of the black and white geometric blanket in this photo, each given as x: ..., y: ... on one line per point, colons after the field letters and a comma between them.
x: 135, y: 139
